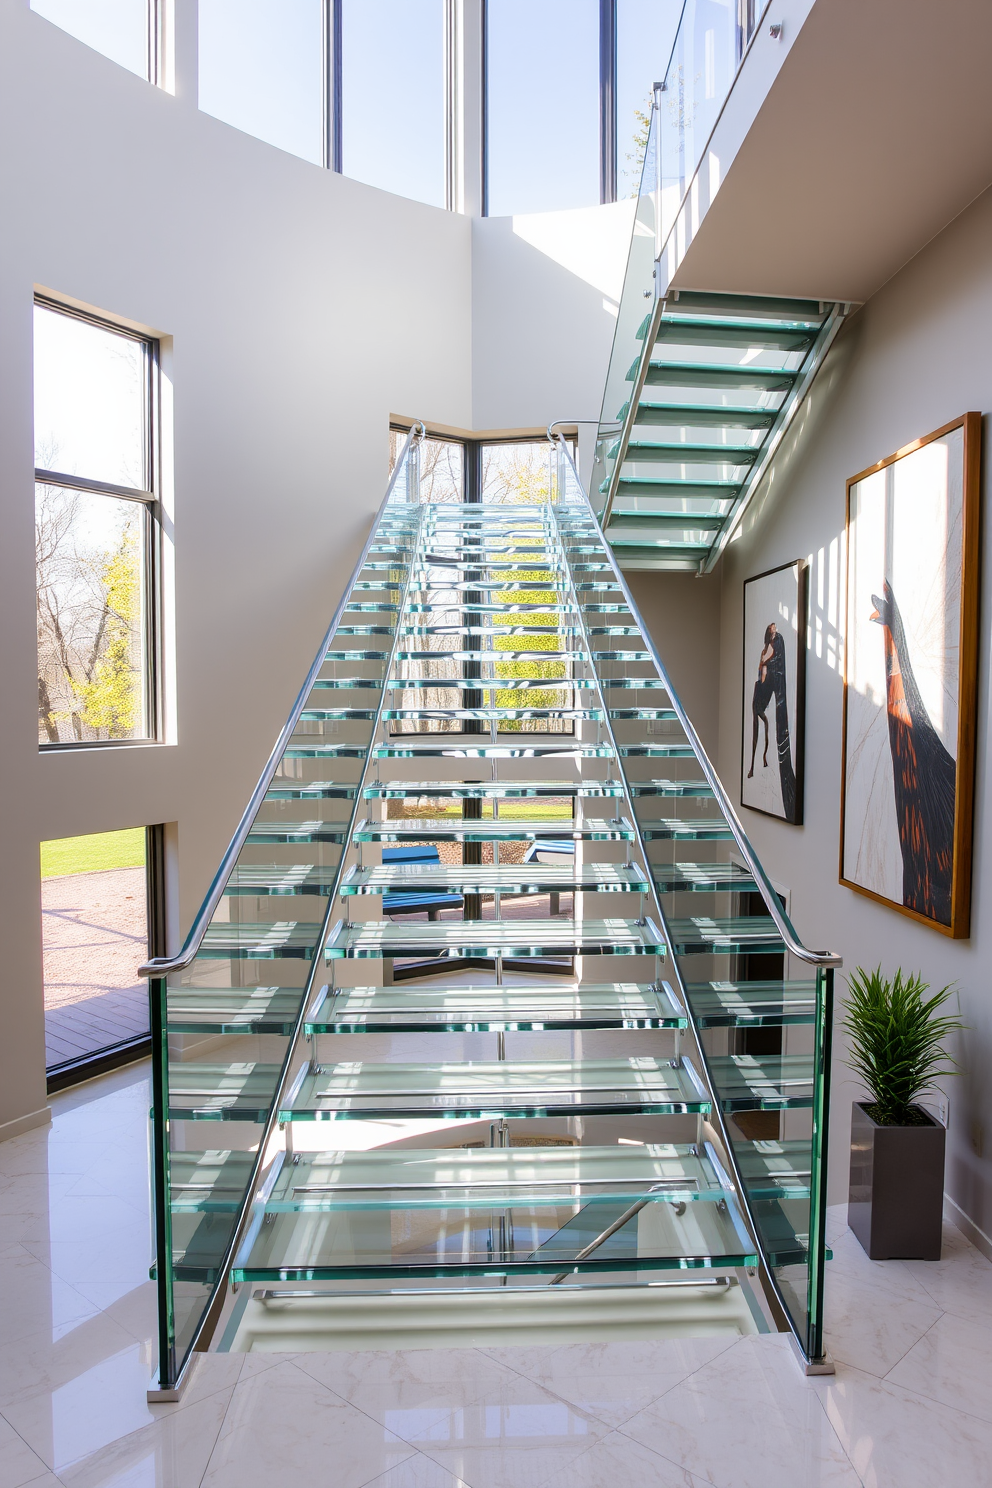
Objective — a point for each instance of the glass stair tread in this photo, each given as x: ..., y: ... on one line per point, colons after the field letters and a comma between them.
x: 286, y: 879
x: 642, y: 452
x: 492, y: 1009
x: 221, y: 1092
x: 208, y: 1182
x: 356, y: 655
x: 701, y: 933
x: 461, y: 829
x: 752, y: 1004
x: 488, y: 684
x: 703, y: 416
x: 614, y: 937
x: 608, y: 1233
x: 485, y: 634
x: 658, y: 488
x: 701, y: 829
x: 687, y: 788
x: 492, y: 878
x: 484, y: 1177
x: 637, y: 524
x: 725, y: 335
x: 775, y: 1170
x: 706, y: 878
x: 296, y: 940
x: 482, y: 586
x: 282, y: 789
x: 681, y: 750
x: 489, y: 789
x: 622, y: 656
x: 265, y: 832
x: 533, y: 607
x: 773, y: 1082
x: 470, y: 1089
x: 233, y: 1010
x: 725, y: 375
x: 562, y: 658
x: 490, y: 715
x: 450, y: 746
x: 347, y: 684
x: 645, y: 715
x: 634, y: 684
x: 338, y: 715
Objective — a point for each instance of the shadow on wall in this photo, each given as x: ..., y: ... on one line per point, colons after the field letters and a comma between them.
x: 547, y: 280
x: 682, y: 612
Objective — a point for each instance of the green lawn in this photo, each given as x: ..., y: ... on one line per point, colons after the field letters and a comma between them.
x: 90, y: 854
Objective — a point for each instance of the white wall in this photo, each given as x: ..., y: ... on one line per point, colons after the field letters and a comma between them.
x: 915, y: 357
x: 303, y: 309
x: 299, y: 310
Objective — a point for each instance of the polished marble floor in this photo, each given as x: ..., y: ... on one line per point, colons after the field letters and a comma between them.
x: 909, y: 1406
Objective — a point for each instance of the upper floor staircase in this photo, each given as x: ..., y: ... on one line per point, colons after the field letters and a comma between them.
x: 569, y: 1042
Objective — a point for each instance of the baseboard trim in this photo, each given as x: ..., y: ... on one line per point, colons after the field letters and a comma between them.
x: 21, y: 1124
x: 969, y: 1229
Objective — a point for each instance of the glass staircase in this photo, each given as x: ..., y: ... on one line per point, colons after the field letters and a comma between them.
x: 603, y: 1060
x: 701, y: 388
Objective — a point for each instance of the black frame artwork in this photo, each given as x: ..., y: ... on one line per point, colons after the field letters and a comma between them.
x: 774, y: 692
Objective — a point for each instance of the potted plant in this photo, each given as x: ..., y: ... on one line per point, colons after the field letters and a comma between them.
x: 896, y: 1195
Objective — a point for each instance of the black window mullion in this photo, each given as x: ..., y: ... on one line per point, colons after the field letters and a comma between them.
x: 607, y: 100
x: 333, y: 86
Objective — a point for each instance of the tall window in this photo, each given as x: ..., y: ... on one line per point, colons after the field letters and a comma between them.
x: 96, y: 530
x: 391, y: 75
x: 126, y: 31
x: 542, y: 105
x: 261, y: 68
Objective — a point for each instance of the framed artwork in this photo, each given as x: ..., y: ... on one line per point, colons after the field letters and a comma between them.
x: 910, y: 677
x: 774, y: 692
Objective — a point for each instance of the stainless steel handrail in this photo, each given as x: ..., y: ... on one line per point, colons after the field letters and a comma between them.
x: 159, y: 966
x: 793, y: 944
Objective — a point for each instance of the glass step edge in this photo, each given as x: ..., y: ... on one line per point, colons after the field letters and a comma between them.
x: 480, y: 1089
x: 494, y: 1009
x: 487, y: 938
x: 462, y: 829
x: 507, y: 878
x: 488, y: 789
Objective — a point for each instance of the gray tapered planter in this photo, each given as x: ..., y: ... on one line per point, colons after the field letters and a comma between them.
x: 896, y: 1197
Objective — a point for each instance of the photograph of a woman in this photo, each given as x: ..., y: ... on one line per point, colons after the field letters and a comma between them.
x: 775, y: 683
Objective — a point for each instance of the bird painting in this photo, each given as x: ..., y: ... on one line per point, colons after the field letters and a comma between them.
x: 923, y: 772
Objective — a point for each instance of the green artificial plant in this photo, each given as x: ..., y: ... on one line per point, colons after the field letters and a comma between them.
x: 897, y: 1041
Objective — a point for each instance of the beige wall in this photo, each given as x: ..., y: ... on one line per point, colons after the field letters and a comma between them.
x: 682, y: 613
x: 916, y: 356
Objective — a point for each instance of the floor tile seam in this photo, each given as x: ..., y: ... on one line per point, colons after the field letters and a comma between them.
x: 440, y: 1409
x: 379, y: 1473
x: 21, y: 1438
x: 941, y: 1405
x: 217, y: 1434
x: 694, y: 1472
x: 908, y: 1351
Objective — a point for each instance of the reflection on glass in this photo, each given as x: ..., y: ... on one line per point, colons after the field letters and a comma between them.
x: 89, y: 400
x: 542, y: 90
x: 94, y: 935
x: 645, y: 32
x: 393, y: 96
x: 260, y: 70
x: 117, y: 28
x: 90, y: 576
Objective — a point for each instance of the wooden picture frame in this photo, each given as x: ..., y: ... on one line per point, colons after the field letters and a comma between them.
x: 910, y: 677
x: 774, y: 682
